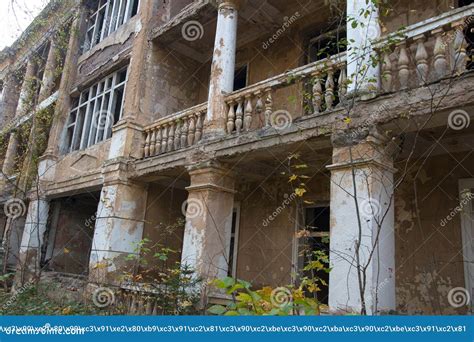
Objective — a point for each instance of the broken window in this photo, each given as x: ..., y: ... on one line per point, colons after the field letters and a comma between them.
x: 95, y: 111
x: 1, y: 90
x: 106, y: 17
x: 234, y: 238
x: 240, y: 77
x: 316, y: 239
x: 327, y: 44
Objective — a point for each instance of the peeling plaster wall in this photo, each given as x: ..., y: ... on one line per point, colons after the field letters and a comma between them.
x: 176, y: 6
x: 164, y: 211
x: 113, y: 50
x: 175, y: 83
x: 16, y: 234
x: 429, y: 260
x: 265, y: 253
x: 409, y: 12
x: 81, y: 163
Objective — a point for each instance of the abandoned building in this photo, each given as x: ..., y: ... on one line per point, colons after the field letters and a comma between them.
x: 251, y: 128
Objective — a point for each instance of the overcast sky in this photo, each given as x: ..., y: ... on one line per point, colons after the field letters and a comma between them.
x: 15, y: 16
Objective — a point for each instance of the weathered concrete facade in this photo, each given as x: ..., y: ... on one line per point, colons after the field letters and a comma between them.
x: 180, y: 122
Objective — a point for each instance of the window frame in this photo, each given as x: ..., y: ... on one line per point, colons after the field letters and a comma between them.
x: 297, y: 259
x: 106, y: 18
x: 233, y: 240
x: 91, y: 107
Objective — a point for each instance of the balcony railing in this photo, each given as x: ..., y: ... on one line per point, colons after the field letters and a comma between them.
x: 421, y: 54
x: 320, y: 86
x: 178, y: 131
x: 426, y: 52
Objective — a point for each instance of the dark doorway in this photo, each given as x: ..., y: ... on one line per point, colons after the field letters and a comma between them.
x: 240, y: 77
x: 317, y: 223
x: 70, y: 233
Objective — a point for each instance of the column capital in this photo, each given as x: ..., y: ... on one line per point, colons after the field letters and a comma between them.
x: 215, y: 165
x: 212, y: 176
x: 363, y: 147
x: 230, y: 4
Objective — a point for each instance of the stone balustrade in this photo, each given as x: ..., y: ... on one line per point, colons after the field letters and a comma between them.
x: 425, y: 52
x: 178, y: 131
x: 420, y: 54
x: 323, y: 84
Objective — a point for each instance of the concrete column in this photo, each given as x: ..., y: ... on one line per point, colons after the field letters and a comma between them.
x: 26, y: 88
x: 57, y: 132
x: 8, y: 166
x: 22, y: 107
x: 118, y: 228
x: 11, y: 89
x: 127, y: 134
x: 223, y: 66
x: 362, y: 170
x: 33, y: 234
x: 47, y: 83
x: 360, y: 49
x: 208, y: 221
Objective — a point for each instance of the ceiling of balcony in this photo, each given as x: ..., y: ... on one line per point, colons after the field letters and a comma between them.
x: 257, y: 20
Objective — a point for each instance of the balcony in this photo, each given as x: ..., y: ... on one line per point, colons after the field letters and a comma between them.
x: 426, y: 52
x: 422, y: 54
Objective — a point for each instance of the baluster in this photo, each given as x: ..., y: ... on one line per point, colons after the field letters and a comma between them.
x: 439, y: 52
x: 164, y: 139
x: 231, y: 117
x: 329, y: 94
x: 460, y: 44
x: 268, y: 107
x: 158, y: 141
x: 177, y: 135
x: 146, y: 148
x: 146, y: 145
x: 133, y: 305
x: 239, y: 115
x: 248, y: 112
x: 387, y: 72
x: 421, y: 59
x: 259, y: 105
x: 155, y: 309
x: 149, y: 306
x: 342, y: 84
x: 140, y: 305
x: 199, y: 125
x: 170, y: 137
x: 317, y: 93
x: 152, y: 142
x: 184, y: 133
x: 191, y: 130
x: 403, y: 72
